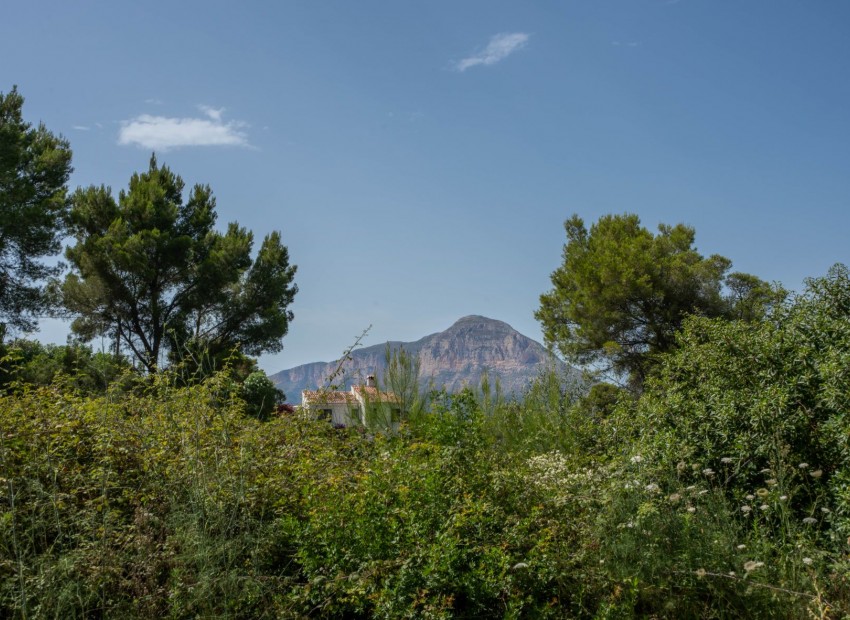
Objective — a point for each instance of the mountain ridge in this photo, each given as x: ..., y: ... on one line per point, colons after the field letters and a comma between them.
x: 453, y: 358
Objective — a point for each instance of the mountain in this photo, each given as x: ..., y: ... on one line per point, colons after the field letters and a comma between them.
x: 452, y: 359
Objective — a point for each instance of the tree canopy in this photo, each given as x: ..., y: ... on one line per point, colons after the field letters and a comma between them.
x: 760, y: 393
x: 622, y: 293
x: 74, y: 365
x: 34, y: 169
x: 151, y: 272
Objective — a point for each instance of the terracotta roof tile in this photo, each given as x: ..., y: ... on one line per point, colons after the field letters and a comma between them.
x: 373, y: 394
x: 327, y: 397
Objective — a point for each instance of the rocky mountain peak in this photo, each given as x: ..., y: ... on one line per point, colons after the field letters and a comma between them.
x: 478, y: 322
x: 453, y: 358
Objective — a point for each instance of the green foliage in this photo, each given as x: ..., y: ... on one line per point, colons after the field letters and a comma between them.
x: 153, y: 505
x: 546, y: 418
x: 261, y: 395
x: 29, y: 363
x: 401, y: 378
x: 622, y: 293
x: 601, y: 400
x: 740, y: 443
x: 766, y: 397
x: 152, y: 273
x: 34, y: 170
x: 720, y: 491
x: 434, y: 524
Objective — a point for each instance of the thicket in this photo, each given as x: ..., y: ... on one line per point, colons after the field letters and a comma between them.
x: 720, y: 491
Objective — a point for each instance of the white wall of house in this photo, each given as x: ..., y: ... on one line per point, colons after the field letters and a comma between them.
x: 340, y: 413
x: 364, y: 405
x: 347, y: 412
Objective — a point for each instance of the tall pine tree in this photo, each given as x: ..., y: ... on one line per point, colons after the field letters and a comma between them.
x: 151, y: 272
x: 34, y: 169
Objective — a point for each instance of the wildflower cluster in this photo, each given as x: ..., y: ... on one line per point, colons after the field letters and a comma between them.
x: 559, y: 481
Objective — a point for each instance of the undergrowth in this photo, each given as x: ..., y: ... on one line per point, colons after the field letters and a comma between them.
x: 720, y: 492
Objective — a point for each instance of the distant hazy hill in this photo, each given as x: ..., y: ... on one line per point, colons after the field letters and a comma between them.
x: 453, y: 358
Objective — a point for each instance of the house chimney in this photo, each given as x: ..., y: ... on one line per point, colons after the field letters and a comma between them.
x: 370, y: 380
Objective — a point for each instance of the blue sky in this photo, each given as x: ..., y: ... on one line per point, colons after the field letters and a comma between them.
x: 420, y: 158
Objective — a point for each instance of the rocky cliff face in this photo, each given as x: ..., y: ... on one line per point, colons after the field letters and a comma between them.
x: 452, y: 359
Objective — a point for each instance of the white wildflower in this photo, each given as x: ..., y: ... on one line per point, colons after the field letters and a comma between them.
x: 783, y: 497
x: 816, y: 473
x: 700, y: 572
x: 674, y: 498
x: 810, y: 520
x: 764, y: 507
x: 552, y: 474
x: 750, y: 497
x: 692, y: 510
x: 803, y: 465
x: 825, y: 510
x: 745, y: 509
x: 652, y: 487
x: 741, y: 547
x: 752, y: 565
x: 726, y: 460
x: 637, y: 458
x: 708, y: 471
x: 807, y: 561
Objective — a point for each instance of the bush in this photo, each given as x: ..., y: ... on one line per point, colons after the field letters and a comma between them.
x: 29, y: 362
x: 261, y: 395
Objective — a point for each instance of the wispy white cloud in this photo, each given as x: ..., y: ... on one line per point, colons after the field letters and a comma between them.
x: 164, y: 133
x: 80, y: 127
x: 213, y: 113
x: 500, y: 47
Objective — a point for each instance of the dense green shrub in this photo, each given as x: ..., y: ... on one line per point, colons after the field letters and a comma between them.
x: 756, y: 414
x: 29, y: 362
x: 260, y: 394
x: 765, y: 402
x: 690, y: 502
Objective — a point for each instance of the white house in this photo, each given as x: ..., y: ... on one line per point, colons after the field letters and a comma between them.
x: 363, y: 405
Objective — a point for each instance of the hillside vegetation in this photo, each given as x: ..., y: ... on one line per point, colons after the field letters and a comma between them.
x: 720, y: 491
